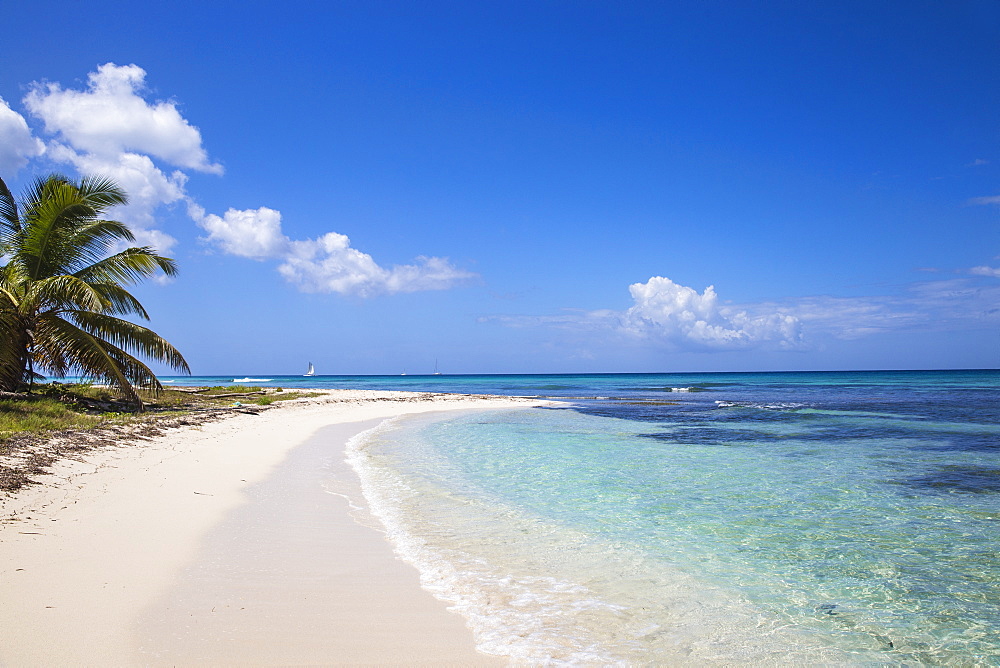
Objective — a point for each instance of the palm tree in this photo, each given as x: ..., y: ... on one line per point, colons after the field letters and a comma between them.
x: 62, y: 288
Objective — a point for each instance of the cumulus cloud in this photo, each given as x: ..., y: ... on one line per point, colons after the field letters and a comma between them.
x: 147, y: 186
x: 327, y: 264
x: 680, y: 315
x: 17, y: 144
x: 111, y: 128
x: 926, y: 305
x: 112, y: 117
x: 252, y: 233
x: 683, y: 316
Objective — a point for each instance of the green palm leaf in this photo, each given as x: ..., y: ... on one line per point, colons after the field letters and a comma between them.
x: 119, y: 300
x: 93, y: 357
x: 10, y: 222
x: 63, y: 286
x: 62, y: 292
x: 134, y: 338
x: 129, y: 266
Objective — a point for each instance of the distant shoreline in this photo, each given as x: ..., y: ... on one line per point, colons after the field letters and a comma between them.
x: 271, y: 377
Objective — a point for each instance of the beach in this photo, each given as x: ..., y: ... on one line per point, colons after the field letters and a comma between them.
x: 843, y: 518
x: 223, y: 544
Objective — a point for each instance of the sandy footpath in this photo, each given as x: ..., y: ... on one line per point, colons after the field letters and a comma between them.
x: 230, y: 543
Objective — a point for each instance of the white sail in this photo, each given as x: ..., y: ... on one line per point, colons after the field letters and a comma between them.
x: 311, y: 371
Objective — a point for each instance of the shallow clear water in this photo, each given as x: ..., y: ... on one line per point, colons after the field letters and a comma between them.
x: 849, y: 517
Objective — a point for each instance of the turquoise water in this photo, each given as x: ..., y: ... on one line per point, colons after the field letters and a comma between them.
x: 848, y: 517
x: 715, y: 518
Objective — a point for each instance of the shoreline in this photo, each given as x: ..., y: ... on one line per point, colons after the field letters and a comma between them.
x: 139, y: 553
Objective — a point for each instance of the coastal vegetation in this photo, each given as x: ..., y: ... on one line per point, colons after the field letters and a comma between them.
x: 57, y: 406
x: 63, y: 296
x: 65, y: 270
x: 58, y: 420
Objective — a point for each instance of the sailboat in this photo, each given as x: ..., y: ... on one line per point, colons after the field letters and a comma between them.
x: 311, y: 371
x: 436, y: 372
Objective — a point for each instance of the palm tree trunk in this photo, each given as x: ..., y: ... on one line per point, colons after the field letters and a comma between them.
x: 14, y: 360
x: 31, y: 372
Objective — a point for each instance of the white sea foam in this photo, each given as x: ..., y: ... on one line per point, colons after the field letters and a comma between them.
x: 767, y: 406
x: 252, y: 380
x: 510, y: 614
x: 545, y: 594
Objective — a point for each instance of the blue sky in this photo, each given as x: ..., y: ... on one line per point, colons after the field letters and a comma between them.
x: 537, y: 186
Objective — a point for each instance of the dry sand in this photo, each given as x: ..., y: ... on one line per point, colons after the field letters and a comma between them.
x: 231, y: 543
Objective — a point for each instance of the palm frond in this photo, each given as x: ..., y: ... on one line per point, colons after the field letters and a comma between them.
x: 12, y: 283
x: 95, y: 240
x: 134, y: 338
x: 62, y: 293
x: 46, y: 247
x: 128, y: 266
x: 95, y: 358
x: 119, y: 300
x: 63, y: 286
x: 48, y: 354
x: 101, y: 192
x: 10, y: 222
x: 39, y: 189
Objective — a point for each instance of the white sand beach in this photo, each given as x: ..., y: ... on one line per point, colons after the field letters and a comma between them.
x: 223, y: 544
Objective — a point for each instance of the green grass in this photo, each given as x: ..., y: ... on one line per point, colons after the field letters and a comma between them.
x: 227, y: 389
x: 27, y: 420
x: 42, y: 414
x: 56, y: 406
x: 269, y: 399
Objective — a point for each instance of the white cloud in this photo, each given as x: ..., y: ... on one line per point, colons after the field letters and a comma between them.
x: 146, y: 185
x: 928, y: 305
x: 111, y: 117
x: 680, y: 318
x: 853, y: 317
x: 17, y: 145
x: 955, y: 300
x: 329, y: 264
x: 326, y: 264
x: 680, y: 315
x: 110, y: 129
x: 253, y: 233
x: 986, y: 271
x: 429, y: 273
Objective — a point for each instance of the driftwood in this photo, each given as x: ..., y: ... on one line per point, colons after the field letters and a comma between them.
x: 216, y: 396
x: 234, y: 394
x: 14, y: 395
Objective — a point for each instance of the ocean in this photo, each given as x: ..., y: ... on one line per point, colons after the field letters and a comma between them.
x: 715, y: 518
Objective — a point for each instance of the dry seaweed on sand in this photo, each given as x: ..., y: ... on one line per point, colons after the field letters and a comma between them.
x: 64, y: 421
